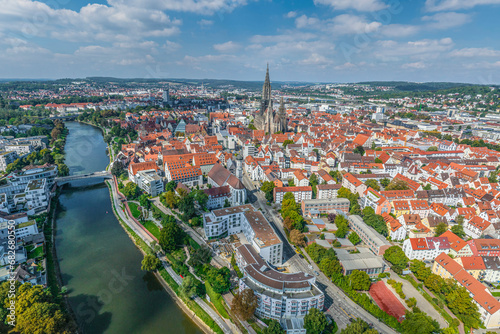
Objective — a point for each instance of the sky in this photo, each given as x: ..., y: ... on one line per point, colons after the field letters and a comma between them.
x: 302, y: 40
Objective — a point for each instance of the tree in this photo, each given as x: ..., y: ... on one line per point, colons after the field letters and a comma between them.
x: 170, y: 186
x: 286, y: 142
x: 397, y: 184
x: 397, y: 258
x: 227, y: 204
x: 427, y: 187
x: 440, y: 229
x: 62, y: 169
x: 432, y: 149
x: 459, y: 220
x: 117, y: 169
x: 315, y: 321
x: 359, y: 150
x: 244, y: 304
x: 37, y: 312
x: 330, y: 266
x: 385, y: 182
x: 458, y: 230
x: 378, y: 161
x: 357, y: 327
x: 298, y: 238
x: 144, y: 202
x: 150, y: 263
x: 354, y: 238
x: 372, y: 183
x: 169, y: 199
x: 419, y: 323
x: 170, y: 235
x: 219, y: 279
x: 267, y: 189
x: 201, y: 197
x: 199, y: 257
x: 341, y: 231
x: 274, y: 327
x: 131, y: 190
x: 359, y: 280
x: 189, y: 287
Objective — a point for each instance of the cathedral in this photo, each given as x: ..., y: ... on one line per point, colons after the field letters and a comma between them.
x: 266, y: 118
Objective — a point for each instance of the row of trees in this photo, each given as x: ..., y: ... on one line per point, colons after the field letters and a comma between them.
x: 375, y: 221
x: 37, y: 310
x: 293, y: 220
x: 354, y: 207
x: 456, y: 297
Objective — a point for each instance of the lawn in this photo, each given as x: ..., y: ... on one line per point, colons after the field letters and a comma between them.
x: 37, y: 252
x: 216, y: 300
x: 134, y: 209
x: 496, y: 294
x: 152, y: 228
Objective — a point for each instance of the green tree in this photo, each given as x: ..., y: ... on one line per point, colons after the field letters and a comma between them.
x: 372, y: 183
x: 170, y: 235
x: 274, y: 327
x: 267, y: 189
x: 440, y: 229
x: 244, y: 304
x: 117, y: 169
x: 330, y: 266
x: 432, y: 149
x: 189, y: 287
x: 150, y: 263
x: 359, y: 150
x: 378, y: 161
x: 315, y: 321
x: 397, y: 184
x: 385, y: 182
x: 458, y: 230
x: 359, y: 326
x: 354, y: 238
x: 419, y: 323
x: 144, y: 202
x: 131, y: 191
x: 359, y: 280
x: 286, y: 142
x: 397, y: 258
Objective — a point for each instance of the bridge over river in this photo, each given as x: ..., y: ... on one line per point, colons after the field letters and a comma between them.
x: 96, y: 175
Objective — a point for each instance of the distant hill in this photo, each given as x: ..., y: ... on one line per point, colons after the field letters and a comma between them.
x: 406, y: 86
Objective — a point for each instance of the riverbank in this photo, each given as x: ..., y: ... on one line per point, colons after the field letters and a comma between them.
x: 54, y: 280
x: 146, y: 249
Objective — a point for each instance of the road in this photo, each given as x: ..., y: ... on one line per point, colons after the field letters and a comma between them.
x: 337, y: 304
x: 139, y: 231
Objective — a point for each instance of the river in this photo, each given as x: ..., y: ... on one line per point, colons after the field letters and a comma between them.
x: 99, y: 263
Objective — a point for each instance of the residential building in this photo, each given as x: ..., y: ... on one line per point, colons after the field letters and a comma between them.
x: 375, y: 242
x: 425, y: 249
x: 326, y: 191
x: 249, y: 221
x: 315, y: 207
x: 300, y: 193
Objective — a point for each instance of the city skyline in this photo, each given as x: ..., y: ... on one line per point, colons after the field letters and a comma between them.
x: 309, y: 41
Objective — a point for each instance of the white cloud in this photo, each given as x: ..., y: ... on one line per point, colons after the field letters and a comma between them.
x: 441, y: 5
x: 205, y: 23
x: 208, y: 7
x: 345, y: 24
x: 446, y: 20
x: 316, y: 59
x: 359, y: 5
x: 398, y: 30
x: 352, y: 24
x: 291, y: 15
x: 94, y: 22
x: 417, y: 65
x: 345, y: 66
x: 475, y: 53
x: 392, y: 51
x: 229, y: 46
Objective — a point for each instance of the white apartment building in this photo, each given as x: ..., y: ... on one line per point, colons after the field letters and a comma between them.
x: 150, y: 182
x: 37, y: 195
x: 281, y: 296
x: 7, y: 157
x: 249, y: 221
x: 300, y: 193
x: 425, y: 248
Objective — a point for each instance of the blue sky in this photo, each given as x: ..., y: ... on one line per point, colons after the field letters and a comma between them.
x: 307, y: 40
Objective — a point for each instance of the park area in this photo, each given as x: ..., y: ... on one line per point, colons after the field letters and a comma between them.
x: 386, y: 300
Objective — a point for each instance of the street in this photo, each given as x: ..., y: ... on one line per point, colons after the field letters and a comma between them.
x: 337, y: 304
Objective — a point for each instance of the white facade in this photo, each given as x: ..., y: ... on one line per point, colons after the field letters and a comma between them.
x: 149, y: 181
